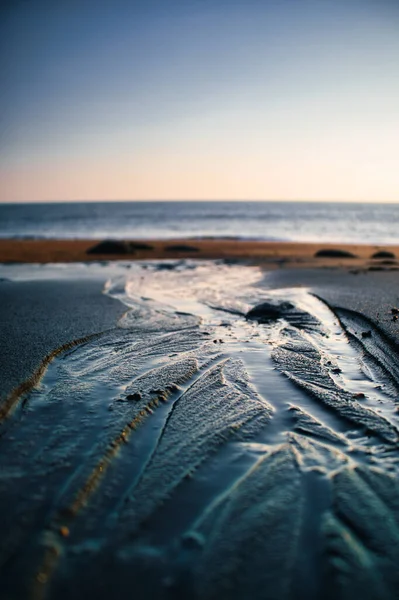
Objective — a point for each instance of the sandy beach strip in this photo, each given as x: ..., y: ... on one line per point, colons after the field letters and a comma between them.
x: 272, y: 253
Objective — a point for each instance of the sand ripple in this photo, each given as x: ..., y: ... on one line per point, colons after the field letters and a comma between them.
x: 224, y: 441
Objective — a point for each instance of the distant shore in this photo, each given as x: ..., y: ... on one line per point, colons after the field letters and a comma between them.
x: 274, y: 254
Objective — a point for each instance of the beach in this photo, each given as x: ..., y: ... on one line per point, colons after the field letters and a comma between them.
x: 199, y: 300
x: 199, y: 418
x: 273, y: 253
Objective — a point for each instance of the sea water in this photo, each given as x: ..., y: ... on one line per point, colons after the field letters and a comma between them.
x: 280, y: 221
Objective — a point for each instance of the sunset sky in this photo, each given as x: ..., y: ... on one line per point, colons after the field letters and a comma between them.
x: 199, y: 99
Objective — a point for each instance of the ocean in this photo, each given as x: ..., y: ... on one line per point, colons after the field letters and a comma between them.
x: 280, y: 221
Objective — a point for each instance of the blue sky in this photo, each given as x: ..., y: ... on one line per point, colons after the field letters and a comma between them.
x: 288, y: 99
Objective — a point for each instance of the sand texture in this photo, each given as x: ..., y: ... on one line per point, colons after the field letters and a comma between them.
x: 227, y: 438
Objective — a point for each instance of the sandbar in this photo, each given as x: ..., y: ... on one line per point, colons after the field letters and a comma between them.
x: 272, y: 253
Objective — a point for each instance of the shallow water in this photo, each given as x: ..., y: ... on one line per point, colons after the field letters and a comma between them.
x: 193, y: 452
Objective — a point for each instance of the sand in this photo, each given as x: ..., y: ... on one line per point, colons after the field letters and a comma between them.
x: 204, y: 429
x: 38, y: 317
x: 272, y: 253
x: 371, y: 293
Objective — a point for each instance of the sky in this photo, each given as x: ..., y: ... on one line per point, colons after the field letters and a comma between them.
x: 199, y: 99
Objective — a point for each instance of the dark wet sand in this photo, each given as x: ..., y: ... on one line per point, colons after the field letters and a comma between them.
x: 204, y: 455
x: 37, y: 317
x: 370, y: 293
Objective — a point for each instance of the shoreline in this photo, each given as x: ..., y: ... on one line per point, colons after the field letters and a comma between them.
x: 274, y: 254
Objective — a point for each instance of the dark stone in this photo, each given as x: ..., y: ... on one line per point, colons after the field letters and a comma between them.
x: 334, y: 253
x: 267, y: 311
x: 165, y: 267
x: 383, y: 254
x: 366, y: 334
x: 136, y: 397
x: 181, y: 248
x: 387, y: 261
x: 112, y: 247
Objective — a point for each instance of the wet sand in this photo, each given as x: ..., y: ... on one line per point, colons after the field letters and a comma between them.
x: 231, y: 430
x: 38, y: 317
x: 371, y: 293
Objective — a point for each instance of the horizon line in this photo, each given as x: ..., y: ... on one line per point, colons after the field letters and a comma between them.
x: 149, y: 200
